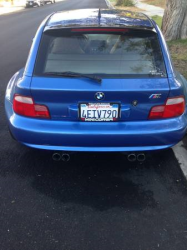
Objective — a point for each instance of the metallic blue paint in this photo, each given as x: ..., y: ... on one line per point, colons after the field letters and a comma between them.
x: 133, y: 132
x: 126, y: 91
x: 97, y: 136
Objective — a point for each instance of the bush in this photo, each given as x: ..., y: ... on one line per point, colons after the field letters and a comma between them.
x: 125, y: 3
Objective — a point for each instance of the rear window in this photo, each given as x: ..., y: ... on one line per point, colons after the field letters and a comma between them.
x: 106, y: 54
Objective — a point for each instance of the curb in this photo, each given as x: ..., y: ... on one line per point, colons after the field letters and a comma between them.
x: 109, y: 4
x: 181, y: 155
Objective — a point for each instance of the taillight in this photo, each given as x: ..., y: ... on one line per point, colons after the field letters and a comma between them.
x: 25, y: 106
x: 174, y: 107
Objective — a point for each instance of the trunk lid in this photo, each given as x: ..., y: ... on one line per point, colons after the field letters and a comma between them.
x: 135, y: 97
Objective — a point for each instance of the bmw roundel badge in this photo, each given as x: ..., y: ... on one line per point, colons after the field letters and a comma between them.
x: 99, y: 96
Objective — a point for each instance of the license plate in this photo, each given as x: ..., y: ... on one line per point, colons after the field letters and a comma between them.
x: 99, y: 112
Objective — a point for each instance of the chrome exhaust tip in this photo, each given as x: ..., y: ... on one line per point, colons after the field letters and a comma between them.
x: 141, y: 157
x: 131, y: 157
x: 65, y: 157
x: 56, y: 157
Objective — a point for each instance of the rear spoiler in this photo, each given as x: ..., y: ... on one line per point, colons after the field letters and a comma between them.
x: 121, y: 28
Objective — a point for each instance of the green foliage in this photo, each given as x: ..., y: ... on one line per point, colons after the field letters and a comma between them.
x: 125, y: 3
x: 178, y: 42
x: 158, y: 20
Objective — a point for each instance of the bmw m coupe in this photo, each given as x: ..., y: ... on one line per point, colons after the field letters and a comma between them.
x: 97, y: 80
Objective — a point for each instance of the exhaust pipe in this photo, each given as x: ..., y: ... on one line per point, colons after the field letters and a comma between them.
x: 141, y: 157
x: 56, y: 157
x: 131, y: 157
x: 65, y: 157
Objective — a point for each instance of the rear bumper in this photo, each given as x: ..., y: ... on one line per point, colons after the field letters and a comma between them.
x: 98, y: 136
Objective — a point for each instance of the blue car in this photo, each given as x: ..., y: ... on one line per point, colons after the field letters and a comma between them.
x: 98, y: 80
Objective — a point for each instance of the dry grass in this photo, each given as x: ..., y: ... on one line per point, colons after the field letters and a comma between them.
x: 133, y: 9
x: 178, y: 50
x: 128, y: 3
x: 159, y: 3
x: 129, y: 8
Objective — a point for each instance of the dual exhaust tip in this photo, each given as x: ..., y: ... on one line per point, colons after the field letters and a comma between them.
x: 134, y: 157
x: 66, y: 157
x: 61, y: 157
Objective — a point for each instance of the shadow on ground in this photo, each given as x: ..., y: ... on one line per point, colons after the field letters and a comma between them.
x: 98, y: 180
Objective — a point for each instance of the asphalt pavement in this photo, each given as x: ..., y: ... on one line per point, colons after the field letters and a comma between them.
x: 93, y: 202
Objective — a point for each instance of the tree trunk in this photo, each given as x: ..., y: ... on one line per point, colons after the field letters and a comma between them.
x: 174, y: 25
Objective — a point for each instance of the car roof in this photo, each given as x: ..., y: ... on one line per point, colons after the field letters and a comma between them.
x: 98, y: 18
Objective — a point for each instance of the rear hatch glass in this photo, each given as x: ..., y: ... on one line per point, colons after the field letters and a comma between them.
x: 116, y: 54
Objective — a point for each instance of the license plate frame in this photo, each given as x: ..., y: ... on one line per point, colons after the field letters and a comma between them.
x: 116, y: 107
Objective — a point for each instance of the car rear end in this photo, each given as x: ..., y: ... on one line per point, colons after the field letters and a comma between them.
x: 135, y: 106
x: 32, y: 3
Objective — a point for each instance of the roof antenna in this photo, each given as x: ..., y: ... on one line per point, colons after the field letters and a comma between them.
x: 99, y: 16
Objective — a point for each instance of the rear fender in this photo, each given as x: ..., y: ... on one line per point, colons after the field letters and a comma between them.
x: 183, y: 85
x: 178, y: 87
x: 18, y: 84
x: 23, y: 85
x: 180, y: 78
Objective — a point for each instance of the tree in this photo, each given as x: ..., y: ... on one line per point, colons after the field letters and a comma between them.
x: 174, y: 25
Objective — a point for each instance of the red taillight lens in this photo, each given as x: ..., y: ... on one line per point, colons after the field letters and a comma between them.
x: 25, y: 106
x: 156, y: 112
x: 174, y: 107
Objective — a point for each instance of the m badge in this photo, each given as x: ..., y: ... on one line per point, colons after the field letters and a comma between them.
x: 155, y: 96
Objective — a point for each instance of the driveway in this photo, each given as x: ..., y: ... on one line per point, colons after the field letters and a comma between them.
x: 150, y: 10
